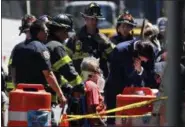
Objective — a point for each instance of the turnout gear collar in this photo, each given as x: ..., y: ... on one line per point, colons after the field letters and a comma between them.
x: 27, y: 20
x: 126, y: 18
x: 63, y: 21
x: 93, y: 11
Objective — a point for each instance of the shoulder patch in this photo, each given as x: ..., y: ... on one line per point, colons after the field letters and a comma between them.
x: 46, y: 55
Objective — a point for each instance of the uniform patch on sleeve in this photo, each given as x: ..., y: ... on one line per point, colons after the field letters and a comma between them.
x: 46, y: 55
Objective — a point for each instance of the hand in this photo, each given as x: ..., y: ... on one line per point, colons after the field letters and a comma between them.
x: 62, y: 100
x: 137, y: 65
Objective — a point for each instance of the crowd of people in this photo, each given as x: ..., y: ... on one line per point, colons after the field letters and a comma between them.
x: 89, y: 62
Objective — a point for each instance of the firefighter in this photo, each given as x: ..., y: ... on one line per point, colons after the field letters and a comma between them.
x: 126, y: 69
x: 61, y: 63
x: 124, y: 27
x: 26, y: 22
x: 89, y: 42
x: 31, y: 62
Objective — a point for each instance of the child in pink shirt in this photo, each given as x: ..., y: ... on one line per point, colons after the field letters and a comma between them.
x: 91, y: 74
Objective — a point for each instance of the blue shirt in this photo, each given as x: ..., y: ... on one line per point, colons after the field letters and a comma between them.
x: 29, y: 59
x: 122, y: 71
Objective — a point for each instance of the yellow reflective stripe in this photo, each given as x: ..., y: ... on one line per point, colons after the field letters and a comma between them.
x: 64, y: 81
x: 10, y: 85
x: 109, y: 50
x: 79, y: 55
x: 10, y: 61
x: 69, y: 51
x: 54, y: 98
x: 64, y: 60
x: 104, y: 56
x: 76, y: 81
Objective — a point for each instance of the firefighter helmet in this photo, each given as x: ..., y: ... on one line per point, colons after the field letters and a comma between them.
x: 93, y: 11
x: 63, y: 21
x: 126, y: 18
x: 26, y: 22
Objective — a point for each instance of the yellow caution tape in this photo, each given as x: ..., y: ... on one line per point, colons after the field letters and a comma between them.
x: 130, y: 106
x: 117, y: 116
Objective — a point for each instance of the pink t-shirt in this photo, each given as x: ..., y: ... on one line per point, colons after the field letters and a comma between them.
x: 92, y: 93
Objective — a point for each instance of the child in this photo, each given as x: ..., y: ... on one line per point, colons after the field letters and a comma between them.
x: 92, y: 75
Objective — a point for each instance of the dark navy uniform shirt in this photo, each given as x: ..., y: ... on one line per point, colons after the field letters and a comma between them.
x: 122, y: 72
x: 116, y: 39
x: 30, y: 59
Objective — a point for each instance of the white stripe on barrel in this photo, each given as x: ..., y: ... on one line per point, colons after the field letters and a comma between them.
x: 17, y: 116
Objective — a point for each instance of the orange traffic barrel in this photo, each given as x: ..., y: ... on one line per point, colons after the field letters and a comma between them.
x: 29, y: 105
x: 64, y: 122
x: 132, y: 95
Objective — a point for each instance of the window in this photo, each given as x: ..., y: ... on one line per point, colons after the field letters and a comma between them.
x: 135, y: 7
x: 11, y: 9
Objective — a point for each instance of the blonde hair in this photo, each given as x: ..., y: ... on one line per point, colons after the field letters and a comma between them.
x: 150, y: 30
x: 90, y: 64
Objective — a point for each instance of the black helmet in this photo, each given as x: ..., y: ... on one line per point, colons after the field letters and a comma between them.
x: 93, y: 10
x: 63, y: 21
x: 27, y: 20
x: 126, y: 18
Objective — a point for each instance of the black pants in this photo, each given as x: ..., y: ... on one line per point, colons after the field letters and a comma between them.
x: 110, y: 99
